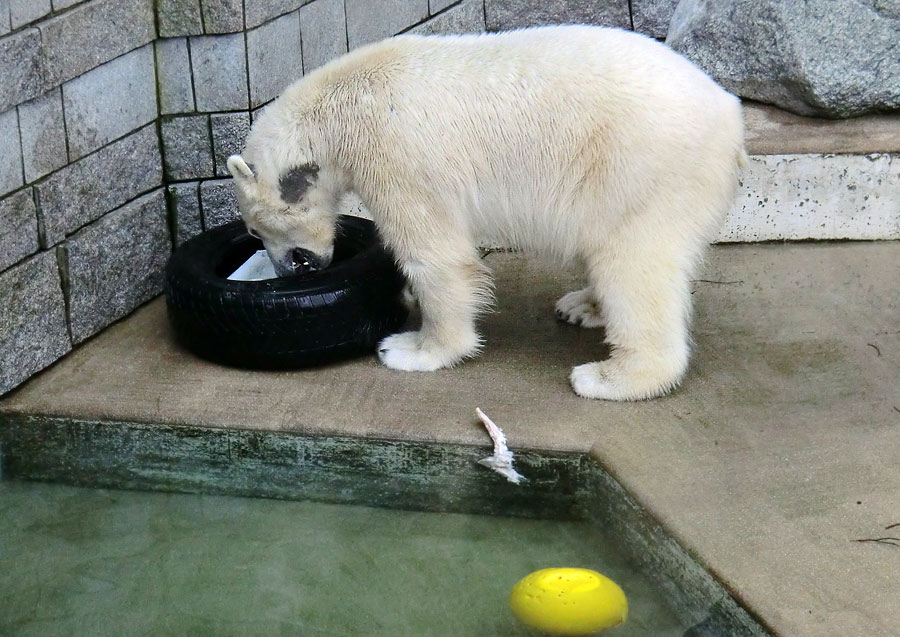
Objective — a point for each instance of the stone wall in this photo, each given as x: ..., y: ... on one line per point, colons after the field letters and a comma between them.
x: 84, y: 231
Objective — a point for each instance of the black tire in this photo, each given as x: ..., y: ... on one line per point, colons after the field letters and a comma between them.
x: 289, y: 322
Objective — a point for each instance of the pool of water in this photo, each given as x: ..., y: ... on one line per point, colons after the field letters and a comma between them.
x: 89, y: 562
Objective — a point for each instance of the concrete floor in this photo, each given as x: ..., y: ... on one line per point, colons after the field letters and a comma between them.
x: 774, y: 457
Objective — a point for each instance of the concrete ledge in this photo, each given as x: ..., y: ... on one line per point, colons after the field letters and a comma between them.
x: 773, y: 131
x: 696, y: 596
x: 336, y: 469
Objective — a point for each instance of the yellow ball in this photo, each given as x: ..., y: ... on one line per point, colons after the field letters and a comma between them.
x: 568, y: 601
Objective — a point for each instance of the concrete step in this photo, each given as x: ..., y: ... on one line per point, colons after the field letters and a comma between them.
x: 811, y: 178
x: 758, y: 475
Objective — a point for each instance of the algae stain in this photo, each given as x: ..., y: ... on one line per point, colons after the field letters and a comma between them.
x: 801, y: 357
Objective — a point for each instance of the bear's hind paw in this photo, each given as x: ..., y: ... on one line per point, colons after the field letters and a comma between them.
x: 579, y: 308
x: 613, y: 380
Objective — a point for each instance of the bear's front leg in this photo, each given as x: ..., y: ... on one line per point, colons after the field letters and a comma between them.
x: 450, y: 291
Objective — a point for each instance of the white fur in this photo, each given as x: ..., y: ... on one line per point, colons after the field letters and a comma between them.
x: 580, y: 308
x: 583, y: 143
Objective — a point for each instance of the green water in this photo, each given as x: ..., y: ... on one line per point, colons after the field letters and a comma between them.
x: 97, y: 562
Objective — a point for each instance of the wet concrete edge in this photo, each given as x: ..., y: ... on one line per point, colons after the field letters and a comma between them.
x: 696, y: 596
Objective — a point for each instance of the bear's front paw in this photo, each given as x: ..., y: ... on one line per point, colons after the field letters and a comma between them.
x: 409, y: 352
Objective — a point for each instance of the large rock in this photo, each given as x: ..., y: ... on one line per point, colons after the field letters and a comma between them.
x: 652, y: 17
x: 827, y: 58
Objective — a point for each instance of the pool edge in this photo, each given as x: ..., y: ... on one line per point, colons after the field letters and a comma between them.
x: 373, y: 472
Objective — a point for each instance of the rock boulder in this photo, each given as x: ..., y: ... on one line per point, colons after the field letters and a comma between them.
x: 829, y: 58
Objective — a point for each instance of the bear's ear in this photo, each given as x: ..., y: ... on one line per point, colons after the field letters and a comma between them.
x: 295, y: 181
x: 240, y: 170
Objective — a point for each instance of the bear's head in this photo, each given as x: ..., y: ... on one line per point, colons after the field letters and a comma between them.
x: 291, y: 206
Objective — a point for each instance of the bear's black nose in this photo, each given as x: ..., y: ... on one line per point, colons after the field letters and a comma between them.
x: 304, y: 261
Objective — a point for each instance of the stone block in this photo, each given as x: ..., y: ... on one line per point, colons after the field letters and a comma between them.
x: 274, y: 58
x: 173, y: 76
x: 18, y: 227
x: 219, y: 64
x: 4, y: 20
x: 22, y: 12
x: 33, y: 330
x: 466, y: 17
x: 89, y: 188
x: 439, y: 5
x: 10, y: 152
x: 218, y: 202
x: 223, y: 16
x: 179, y: 17
x: 92, y: 33
x: 21, y: 67
x: 187, y: 148
x: 372, y: 20
x: 184, y: 202
x: 652, y: 17
x: 828, y: 58
x: 110, y: 101
x: 229, y: 131
x: 59, y: 5
x: 323, y: 32
x: 502, y: 15
x: 260, y: 11
x: 116, y: 264
x: 43, y: 135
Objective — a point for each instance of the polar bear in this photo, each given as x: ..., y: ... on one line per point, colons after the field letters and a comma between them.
x: 586, y: 144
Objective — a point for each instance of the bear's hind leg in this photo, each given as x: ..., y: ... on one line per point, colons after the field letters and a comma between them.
x: 644, y: 293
